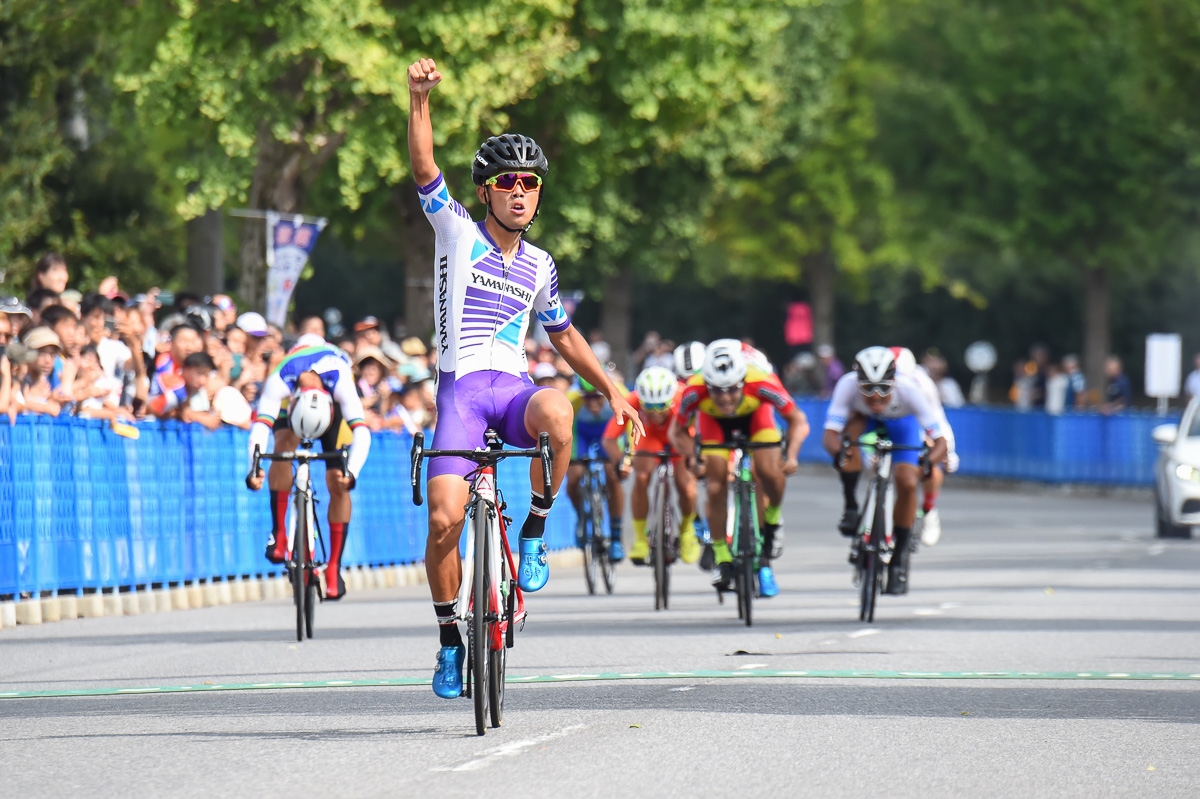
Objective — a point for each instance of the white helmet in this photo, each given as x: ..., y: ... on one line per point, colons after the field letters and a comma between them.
x: 656, y: 386
x: 724, y: 363
x: 875, y: 368
x: 309, y: 412
x: 906, y: 362
x: 689, y: 359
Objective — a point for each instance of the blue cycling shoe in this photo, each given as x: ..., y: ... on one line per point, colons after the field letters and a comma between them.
x: 616, y: 552
x: 447, y: 677
x: 767, y: 587
x: 535, y: 568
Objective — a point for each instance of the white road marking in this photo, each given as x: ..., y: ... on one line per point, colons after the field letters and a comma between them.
x: 751, y: 666
x: 1157, y: 550
x: 927, y: 612
x: 489, y: 756
x: 949, y: 605
x: 683, y: 688
x: 864, y: 633
x: 830, y: 642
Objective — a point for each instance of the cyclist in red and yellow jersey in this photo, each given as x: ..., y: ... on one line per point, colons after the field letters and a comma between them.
x: 729, y: 395
x: 656, y: 399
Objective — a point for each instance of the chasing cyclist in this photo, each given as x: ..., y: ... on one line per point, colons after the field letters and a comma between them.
x: 874, y: 396
x: 931, y: 487
x: 592, y: 417
x: 315, y: 380
x: 729, y: 395
x: 656, y: 398
x: 489, y: 284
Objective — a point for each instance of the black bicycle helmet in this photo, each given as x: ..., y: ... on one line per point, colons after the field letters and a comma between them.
x: 508, y: 152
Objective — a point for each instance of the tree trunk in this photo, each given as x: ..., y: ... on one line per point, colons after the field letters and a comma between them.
x: 205, y: 264
x: 1096, y: 343
x: 616, y: 319
x: 419, y: 268
x: 819, y: 268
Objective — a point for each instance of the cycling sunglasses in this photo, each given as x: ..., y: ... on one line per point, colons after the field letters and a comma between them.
x: 656, y: 407
x: 716, y: 391
x: 509, y: 180
x: 875, y: 389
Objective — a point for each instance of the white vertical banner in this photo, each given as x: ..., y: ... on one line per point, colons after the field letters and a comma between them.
x: 290, y: 240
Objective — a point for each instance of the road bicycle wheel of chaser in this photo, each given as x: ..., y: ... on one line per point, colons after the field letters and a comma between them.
x: 590, y: 555
x: 298, y: 563
x: 659, y: 543
x: 310, y: 601
x: 873, y: 573
x: 746, y: 554
x: 479, y: 613
x: 608, y: 569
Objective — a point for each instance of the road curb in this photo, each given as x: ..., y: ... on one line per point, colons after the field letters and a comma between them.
x: 227, y: 591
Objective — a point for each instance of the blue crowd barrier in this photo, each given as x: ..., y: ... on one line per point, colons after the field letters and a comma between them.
x: 84, y: 508
x: 1035, y: 446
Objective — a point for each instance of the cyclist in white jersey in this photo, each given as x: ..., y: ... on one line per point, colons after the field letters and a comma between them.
x: 311, y: 364
x: 931, y: 487
x: 489, y: 283
x: 870, y: 397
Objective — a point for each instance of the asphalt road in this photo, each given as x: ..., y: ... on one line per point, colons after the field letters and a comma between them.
x: 1033, y: 583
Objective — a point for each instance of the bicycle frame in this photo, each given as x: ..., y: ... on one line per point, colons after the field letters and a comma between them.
x: 483, y: 487
x: 660, y: 525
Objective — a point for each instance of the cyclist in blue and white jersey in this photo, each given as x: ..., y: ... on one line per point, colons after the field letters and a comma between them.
x: 489, y: 283
x: 871, y: 397
x: 312, y: 365
x: 931, y: 487
x: 592, y: 416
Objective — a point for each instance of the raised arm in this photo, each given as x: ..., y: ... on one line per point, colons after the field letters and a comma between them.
x: 422, y: 77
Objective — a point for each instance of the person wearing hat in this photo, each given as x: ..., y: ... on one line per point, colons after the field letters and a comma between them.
x: 544, y: 374
x: 37, y: 394
x: 367, y: 332
x: 371, y: 367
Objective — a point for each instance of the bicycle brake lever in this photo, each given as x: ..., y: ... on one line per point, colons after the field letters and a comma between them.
x: 547, y: 456
x: 418, y: 450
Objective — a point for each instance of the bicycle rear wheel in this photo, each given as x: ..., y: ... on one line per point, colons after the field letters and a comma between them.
x: 746, y: 553
x: 480, y: 604
x: 608, y: 569
x: 497, y: 660
x: 310, y: 601
x: 299, y: 564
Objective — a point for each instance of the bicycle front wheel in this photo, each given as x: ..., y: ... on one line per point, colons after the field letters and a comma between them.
x: 497, y: 660
x: 746, y: 553
x: 608, y: 569
x: 659, y: 543
x: 480, y: 605
x: 590, y: 549
x: 873, y: 573
x: 299, y: 563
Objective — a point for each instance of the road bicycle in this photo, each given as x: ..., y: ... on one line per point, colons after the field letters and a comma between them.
x: 490, y: 603
x: 871, y: 549
x: 662, y: 529
x: 594, y: 542
x: 746, y: 544
x: 302, y: 567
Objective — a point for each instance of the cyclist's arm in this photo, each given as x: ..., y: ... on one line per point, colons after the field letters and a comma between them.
x: 422, y: 77
x: 575, y: 350
x: 681, y: 440
x: 840, y: 408
x: 797, y: 432
x: 347, y: 399
x: 269, y: 403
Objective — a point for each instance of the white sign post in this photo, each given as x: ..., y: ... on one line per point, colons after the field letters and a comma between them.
x: 1164, y: 372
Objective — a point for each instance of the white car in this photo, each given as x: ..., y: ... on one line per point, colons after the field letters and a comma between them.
x: 1177, y: 475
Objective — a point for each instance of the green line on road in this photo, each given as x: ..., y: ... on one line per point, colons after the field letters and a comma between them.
x: 632, y: 675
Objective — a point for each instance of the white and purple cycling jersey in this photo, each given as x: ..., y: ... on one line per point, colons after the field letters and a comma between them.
x: 482, y: 312
x: 906, y: 400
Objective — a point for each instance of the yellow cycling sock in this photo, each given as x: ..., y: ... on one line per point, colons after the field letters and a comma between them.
x: 721, y: 552
x: 639, y: 529
x: 772, y: 514
x: 687, y: 525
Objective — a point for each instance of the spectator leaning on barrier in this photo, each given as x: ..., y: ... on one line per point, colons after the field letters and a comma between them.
x: 37, y: 392
x: 184, y: 396
x: 100, y: 324
x: 97, y: 394
x: 1191, y: 386
x: 6, y: 369
x: 1076, y: 396
x: 1118, y: 394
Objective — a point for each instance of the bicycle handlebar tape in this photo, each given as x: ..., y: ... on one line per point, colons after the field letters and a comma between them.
x: 417, y: 454
x: 547, y: 462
